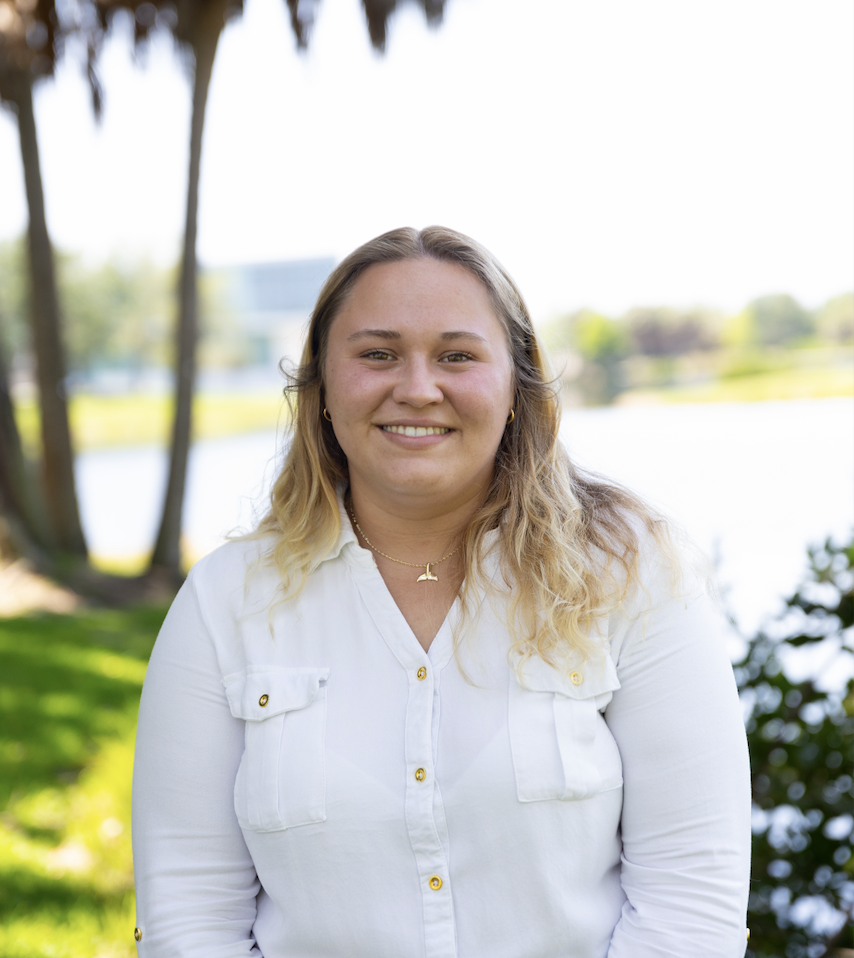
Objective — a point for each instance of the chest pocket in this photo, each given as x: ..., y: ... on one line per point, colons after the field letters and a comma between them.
x: 562, y: 747
x: 281, y: 781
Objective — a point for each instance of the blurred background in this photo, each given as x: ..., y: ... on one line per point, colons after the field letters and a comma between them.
x: 670, y: 185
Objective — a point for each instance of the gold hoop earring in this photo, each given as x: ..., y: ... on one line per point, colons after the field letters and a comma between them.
x: 511, y: 417
x: 326, y: 415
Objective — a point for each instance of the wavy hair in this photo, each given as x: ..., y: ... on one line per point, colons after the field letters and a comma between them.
x: 571, y: 537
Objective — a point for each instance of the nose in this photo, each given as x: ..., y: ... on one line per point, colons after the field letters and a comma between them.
x: 418, y: 384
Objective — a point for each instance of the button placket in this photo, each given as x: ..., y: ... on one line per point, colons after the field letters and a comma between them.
x: 425, y: 819
x: 421, y: 815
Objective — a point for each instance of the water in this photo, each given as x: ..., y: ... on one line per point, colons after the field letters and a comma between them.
x: 753, y: 484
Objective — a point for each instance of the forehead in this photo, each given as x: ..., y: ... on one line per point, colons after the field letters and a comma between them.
x: 421, y: 293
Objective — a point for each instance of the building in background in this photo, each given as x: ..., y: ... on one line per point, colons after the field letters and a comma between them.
x: 269, y: 304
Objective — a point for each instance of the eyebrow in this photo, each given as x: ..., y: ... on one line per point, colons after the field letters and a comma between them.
x: 462, y: 334
x: 389, y: 334
x: 374, y: 334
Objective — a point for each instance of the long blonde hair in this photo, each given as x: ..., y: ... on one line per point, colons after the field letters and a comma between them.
x: 569, y: 537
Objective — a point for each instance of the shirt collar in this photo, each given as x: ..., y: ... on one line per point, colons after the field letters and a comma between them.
x: 346, y: 543
x: 348, y: 546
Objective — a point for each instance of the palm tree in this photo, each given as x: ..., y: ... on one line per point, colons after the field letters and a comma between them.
x: 201, y: 31
x: 198, y: 28
x: 29, y: 44
x: 378, y: 12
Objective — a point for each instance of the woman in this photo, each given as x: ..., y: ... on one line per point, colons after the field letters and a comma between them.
x: 454, y: 697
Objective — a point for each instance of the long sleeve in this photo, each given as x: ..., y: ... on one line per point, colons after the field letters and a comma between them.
x: 686, y: 813
x: 195, y: 881
x: 310, y: 781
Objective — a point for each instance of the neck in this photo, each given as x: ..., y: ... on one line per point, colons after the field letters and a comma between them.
x: 420, y: 535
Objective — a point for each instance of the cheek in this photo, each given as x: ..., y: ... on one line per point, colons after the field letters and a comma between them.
x: 499, y: 391
x: 489, y: 404
x: 342, y: 389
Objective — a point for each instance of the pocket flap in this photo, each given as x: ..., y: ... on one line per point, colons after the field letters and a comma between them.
x: 582, y: 681
x: 262, y: 691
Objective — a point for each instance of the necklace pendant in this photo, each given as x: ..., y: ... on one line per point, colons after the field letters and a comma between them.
x: 427, y: 576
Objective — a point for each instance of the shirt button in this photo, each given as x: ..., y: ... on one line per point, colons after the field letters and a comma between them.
x: 576, y: 678
x: 435, y: 883
x: 422, y: 674
x: 137, y: 934
x: 263, y: 700
x: 420, y: 774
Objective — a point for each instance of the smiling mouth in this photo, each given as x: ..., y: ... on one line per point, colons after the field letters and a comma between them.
x: 416, y: 430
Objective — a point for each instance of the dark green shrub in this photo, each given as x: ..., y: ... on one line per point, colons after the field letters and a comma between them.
x: 801, y: 736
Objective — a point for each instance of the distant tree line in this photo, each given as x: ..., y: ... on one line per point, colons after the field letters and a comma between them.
x: 113, y: 315
x: 662, y: 335
x: 118, y: 315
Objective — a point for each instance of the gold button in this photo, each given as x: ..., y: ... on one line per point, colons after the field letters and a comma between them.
x: 137, y: 934
x: 422, y: 674
x: 435, y: 883
x: 576, y: 678
x: 264, y: 700
x: 420, y: 774
x: 748, y: 934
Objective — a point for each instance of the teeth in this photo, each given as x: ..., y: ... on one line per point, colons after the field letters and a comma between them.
x: 417, y: 430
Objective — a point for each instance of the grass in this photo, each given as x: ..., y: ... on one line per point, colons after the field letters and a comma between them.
x: 68, y: 700
x: 131, y: 564
x: 140, y: 418
x: 804, y: 383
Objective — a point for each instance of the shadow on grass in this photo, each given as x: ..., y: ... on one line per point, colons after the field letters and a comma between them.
x: 23, y: 892
x: 66, y: 682
x: 69, y: 692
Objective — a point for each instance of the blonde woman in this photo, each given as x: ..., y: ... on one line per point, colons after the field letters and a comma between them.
x: 454, y: 698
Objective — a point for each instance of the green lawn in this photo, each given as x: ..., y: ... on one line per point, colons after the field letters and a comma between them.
x: 135, y: 419
x: 820, y: 383
x: 69, y: 690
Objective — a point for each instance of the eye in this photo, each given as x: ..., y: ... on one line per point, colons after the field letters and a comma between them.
x: 458, y: 357
x: 378, y: 354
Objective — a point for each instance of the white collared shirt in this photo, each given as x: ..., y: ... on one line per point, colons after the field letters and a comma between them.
x: 310, y: 783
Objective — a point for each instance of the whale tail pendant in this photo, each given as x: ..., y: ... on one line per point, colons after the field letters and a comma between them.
x: 427, y: 576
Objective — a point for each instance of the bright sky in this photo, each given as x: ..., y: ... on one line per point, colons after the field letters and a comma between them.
x: 610, y: 153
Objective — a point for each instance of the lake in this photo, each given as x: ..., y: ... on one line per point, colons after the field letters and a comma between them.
x: 752, y: 483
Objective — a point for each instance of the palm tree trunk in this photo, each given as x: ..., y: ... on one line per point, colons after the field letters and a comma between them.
x: 167, y: 549
x: 57, y: 456
x: 21, y: 526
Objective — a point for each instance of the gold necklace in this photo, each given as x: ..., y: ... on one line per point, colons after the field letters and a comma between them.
x: 426, y: 576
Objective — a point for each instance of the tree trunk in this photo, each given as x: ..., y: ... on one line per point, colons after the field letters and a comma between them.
x: 167, y: 549
x: 57, y: 456
x: 22, y: 532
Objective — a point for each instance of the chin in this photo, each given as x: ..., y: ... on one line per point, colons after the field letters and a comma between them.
x: 424, y: 483
x: 416, y: 486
